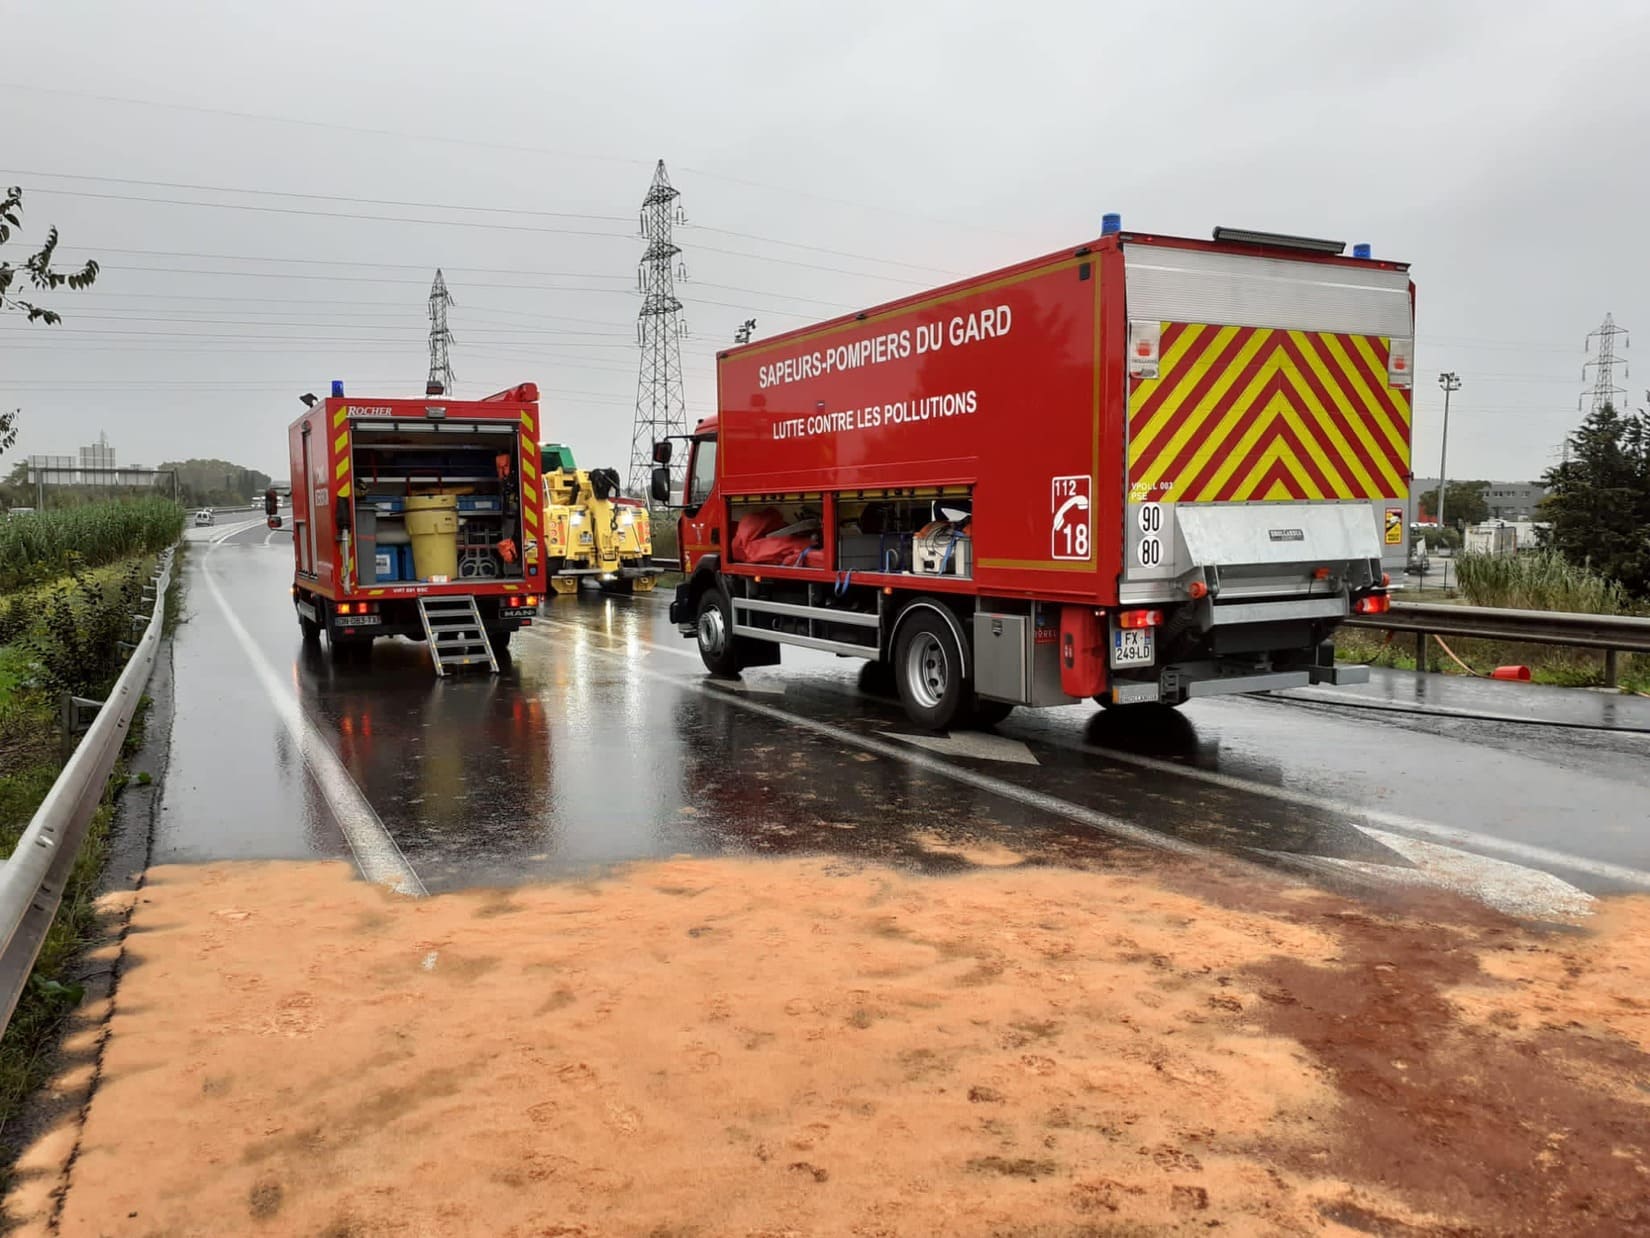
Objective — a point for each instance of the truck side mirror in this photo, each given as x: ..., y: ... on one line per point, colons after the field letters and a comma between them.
x: 270, y: 505
x: 662, y: 451
x: 659, y: 486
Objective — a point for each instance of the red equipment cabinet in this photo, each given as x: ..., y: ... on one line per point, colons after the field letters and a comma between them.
x: 356, y: 461
x: 1201, y: 444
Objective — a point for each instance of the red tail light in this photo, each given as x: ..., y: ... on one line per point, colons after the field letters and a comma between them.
x: 343, y: 608
x: 1139, y: 618
x: 1374, y: 604
x: 362, y: 608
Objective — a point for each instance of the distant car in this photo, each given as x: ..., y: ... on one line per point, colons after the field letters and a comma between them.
x: 204, y: 517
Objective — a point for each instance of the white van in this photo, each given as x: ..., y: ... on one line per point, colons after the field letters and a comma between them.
x: 204, y: 516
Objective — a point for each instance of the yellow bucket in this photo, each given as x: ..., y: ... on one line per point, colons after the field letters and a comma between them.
x: 432, y: 524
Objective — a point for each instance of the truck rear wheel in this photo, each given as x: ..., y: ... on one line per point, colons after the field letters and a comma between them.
x: 499, y: 639
x: 714, y: 631
x: 928, y: 670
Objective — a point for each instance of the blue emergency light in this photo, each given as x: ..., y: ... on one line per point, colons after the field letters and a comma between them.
x: 1361, y: 249
x: 337, y: 388
x: 1111, y: 224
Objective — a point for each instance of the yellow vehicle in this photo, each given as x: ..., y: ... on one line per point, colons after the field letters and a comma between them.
x: 591, y: 531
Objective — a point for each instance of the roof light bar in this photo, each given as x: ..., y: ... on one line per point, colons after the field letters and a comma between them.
x: 1278, y: 240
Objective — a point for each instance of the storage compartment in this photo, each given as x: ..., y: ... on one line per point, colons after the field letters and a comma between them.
x: 1017, y: 657
x: 899, y: 534
x: 452, y: 488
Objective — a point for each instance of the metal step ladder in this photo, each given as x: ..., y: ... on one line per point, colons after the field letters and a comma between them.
x: 457, y: 639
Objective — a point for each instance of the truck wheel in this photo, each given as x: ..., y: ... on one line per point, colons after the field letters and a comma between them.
x: 928, y: 670
x: 714, y: 629
x: 350, y: 651
x: 990, y: 713
x: 499, y: 639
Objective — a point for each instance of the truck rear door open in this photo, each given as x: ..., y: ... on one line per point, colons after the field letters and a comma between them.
x: 1268, y: 418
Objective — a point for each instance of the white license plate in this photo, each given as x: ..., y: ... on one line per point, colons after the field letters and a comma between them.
x: 1132, y: 647
x: 357, y: 621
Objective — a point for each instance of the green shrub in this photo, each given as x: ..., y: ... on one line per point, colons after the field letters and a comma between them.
x: 75, y: 643
x: 41, y: 546
x: 1539, y: 580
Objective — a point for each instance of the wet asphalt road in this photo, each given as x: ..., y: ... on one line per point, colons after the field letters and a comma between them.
x: 604, y: 741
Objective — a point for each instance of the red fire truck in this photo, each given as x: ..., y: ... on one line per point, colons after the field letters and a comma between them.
x: 417, y: 518
x: 1146, y: 469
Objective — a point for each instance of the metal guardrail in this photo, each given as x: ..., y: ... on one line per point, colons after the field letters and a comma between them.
x: 1611, y: 633
x: 32, y: 881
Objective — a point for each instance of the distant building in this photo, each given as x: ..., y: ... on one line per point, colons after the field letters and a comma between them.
x: 1507, y: 500
x: 95, y: 465
x: 1514, y: 500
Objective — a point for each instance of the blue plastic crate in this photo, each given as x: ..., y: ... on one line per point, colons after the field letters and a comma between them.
x: 477, y: 503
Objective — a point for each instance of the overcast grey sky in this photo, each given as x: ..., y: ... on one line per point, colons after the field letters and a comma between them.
x: 1500, y: 148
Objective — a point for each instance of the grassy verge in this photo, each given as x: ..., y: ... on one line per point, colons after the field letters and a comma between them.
x: 43, y: 546
x: 1549, y: 664
x: 57, y: 637
x: 1539, y: 580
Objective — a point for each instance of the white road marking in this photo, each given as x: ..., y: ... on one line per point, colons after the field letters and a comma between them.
x: 1527, y: 893
x: 975, y: 745
x: 218, y: 537
x: 943, y: 769
x: 741, y: 685
x: 375, y: 852
x: 1429, y: 831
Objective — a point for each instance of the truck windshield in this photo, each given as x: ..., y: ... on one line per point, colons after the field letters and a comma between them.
x: 703, y: 473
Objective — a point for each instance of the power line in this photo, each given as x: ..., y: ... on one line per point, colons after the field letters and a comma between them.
x: 317, y: 197
x: 458, y: 206
x: 340, y: 262
x: 354, y: 215
x: 257, y: 322
x: 461, y: 223
x: 473, y: 143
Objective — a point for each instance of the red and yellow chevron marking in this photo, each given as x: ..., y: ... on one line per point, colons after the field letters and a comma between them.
x: 1255, y: 414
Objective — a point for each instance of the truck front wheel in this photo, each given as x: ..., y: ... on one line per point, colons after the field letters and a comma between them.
x: 714, y: 630
x: 928, y: 670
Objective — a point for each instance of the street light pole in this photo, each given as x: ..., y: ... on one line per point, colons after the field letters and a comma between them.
x: 1449, y: 381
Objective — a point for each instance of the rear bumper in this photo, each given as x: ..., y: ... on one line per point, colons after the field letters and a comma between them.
x: 1233, y: 685
x: 622, y: 572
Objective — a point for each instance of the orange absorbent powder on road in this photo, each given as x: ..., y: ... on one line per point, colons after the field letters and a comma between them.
x: 743, y: 1047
